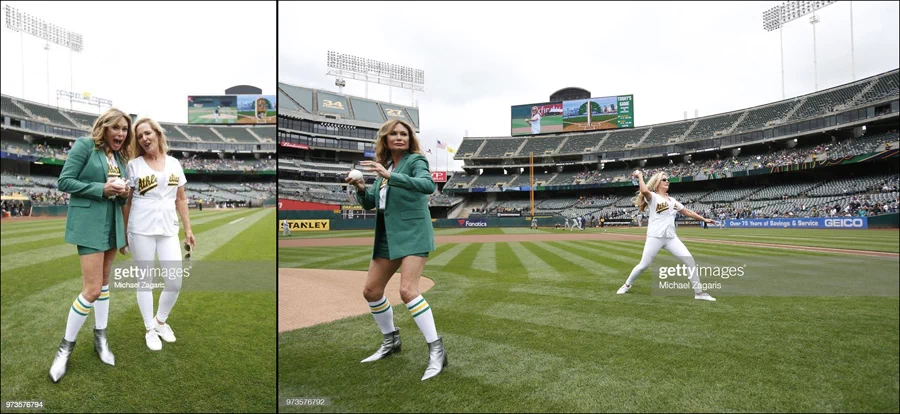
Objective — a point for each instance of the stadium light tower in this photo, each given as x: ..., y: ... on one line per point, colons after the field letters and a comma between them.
x: 25, y: 23
x: 382, y: 73
x: 778, y: 16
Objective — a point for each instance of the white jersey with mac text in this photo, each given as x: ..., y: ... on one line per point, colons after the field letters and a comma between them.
x: 662, y: 216
x: 153, y: 203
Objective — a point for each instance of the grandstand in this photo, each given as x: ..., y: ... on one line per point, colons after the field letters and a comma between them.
x: 323, y: 135
x: 782, y: 159
x: 36, y: 139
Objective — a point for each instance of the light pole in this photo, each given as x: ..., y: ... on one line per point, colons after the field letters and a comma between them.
x: 25, y: 23
x: 778, y: 16
x: 813, y: 20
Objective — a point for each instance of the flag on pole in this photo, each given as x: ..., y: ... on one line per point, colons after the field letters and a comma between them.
x: 441, y: 145
x: 451, y: 150
x: 428, y: 150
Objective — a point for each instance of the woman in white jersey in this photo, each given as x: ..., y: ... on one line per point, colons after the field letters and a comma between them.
x: 654, y: 198
x: 535, y: 120
x: 157, y: 182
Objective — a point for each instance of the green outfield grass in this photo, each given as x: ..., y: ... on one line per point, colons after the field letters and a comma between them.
x: 874, y: 240
x: 270, y: 112
x: 545, y: 121
x: 196, y: 115
x: 537, y: 326
x: 437, y: 232
x: 223, y: 360
x: 583, y: 119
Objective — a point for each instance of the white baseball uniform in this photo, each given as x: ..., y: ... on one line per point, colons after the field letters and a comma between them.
x: 153, y: 230
x: 536, y: 123
x: 661, y: 235
x: 285, y: 228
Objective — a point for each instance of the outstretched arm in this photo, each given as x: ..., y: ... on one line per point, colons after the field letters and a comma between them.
x: 695, y: 216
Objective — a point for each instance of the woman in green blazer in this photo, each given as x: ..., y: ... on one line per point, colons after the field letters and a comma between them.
x: 403, y: 237
x: 93, y: 176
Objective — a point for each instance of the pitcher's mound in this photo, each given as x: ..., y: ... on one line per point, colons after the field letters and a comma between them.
x: 308, y: 297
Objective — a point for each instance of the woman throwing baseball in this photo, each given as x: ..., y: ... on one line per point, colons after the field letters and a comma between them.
x: 92, y: 175
x: 403, y: 236
x: 661, y: 229
x: 157, y: 183
x: 535, y: 120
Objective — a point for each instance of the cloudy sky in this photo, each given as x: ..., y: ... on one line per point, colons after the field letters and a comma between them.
x: 479, y: 59
x: 146, y: 57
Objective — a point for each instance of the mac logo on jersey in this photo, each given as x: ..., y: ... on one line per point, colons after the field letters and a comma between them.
x: 661, y: 207
x: 173, y: 179
x: 146, y: 184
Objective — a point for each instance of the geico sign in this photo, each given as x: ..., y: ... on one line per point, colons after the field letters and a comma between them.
x: 847, y: 222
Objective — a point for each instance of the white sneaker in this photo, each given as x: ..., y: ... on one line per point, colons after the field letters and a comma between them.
x: 153, y: 341
x: 623, y: 289
x: 164, y: 332
x: 704, y: 296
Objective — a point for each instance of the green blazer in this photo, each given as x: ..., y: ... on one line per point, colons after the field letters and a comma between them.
x: 83, y: 176
x: 406, y: 216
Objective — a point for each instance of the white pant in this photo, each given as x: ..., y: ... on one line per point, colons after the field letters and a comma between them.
x: 144, y: 249
x: 672, y: 245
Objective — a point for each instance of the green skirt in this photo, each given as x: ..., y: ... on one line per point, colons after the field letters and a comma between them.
x: 382, y: 249
x: 111, y: 240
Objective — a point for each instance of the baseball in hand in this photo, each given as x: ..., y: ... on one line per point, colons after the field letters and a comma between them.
x: 118, y: 182
x: 355, y: 174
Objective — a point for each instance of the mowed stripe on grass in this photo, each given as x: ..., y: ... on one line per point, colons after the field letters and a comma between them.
x: 545, y: 331
x: 198, y: 377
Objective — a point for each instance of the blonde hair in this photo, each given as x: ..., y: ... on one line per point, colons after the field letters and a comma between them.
x: 161, y: 141
x: 639, y: 201
x: 383, y: 152
x: 109, y: 118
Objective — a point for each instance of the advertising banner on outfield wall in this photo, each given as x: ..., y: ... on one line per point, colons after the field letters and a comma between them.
x: 801, y: 223
x: 307, y: 225
x: 466, y: 223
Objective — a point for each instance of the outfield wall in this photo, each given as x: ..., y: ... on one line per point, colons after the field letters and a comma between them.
x: 316, y: 220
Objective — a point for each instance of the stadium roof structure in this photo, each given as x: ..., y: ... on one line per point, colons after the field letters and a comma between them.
x: 328, y: 106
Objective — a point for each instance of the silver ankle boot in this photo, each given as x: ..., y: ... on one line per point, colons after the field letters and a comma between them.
x: 101, y: 345
x: 389, y: 345
x: 437, y: 359
x: 61, y: 360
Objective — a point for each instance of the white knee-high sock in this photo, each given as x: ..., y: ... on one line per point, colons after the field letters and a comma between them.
x: 421, y: 313
x: 79, y: 311
x: 101, y: 308
x: 384, y: 315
